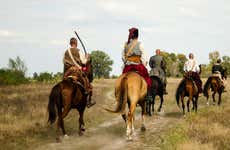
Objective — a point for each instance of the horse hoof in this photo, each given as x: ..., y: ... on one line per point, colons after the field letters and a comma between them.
x: 58, y: 140
x: 80, y: 133
x: 143, y: 128
x: 129, y: 139
x: 66, y: 136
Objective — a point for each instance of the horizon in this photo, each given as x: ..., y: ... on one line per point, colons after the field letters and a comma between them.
x: 39, y: 31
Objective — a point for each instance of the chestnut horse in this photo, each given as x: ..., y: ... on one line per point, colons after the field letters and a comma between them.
x: 130, y: 88
x: 67, y: 95
x: 213, y: 83
x: 187, y: 87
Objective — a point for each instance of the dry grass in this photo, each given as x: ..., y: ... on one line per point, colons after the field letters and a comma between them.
x: 23, y: 119
x: 23, y: 114
x: 208, y: 129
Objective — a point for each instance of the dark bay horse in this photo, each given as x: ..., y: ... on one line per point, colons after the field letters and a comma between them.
x: 187, y: 88
x: 65, y: 96
x: 214, y: 84
x: 131, y: 89
x: 157, y: 90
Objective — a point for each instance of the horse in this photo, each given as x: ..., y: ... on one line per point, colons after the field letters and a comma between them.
x: 213, y: 83
x: 187, y: 87
x: 131, y: 89
x: 156, y: 89
x: 67, y: 95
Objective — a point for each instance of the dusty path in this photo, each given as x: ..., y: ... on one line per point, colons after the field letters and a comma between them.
x: 111, y: 133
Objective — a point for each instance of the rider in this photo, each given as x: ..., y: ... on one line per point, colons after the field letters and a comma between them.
x: 158, y: 68
x: 73, y: 61
x: 192, y: 67
x: 217, y: 69
x: 134, y: 59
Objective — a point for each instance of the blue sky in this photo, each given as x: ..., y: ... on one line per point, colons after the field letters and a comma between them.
x: 39, y: 31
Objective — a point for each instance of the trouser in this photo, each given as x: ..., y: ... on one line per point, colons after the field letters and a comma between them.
x: 223, y: 81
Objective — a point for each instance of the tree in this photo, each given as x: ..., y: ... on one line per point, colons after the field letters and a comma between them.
x: 101, y: 64
x: 17, y: 64
x: 226, y: 63
x: 181, y: 58
x: 213, y: 56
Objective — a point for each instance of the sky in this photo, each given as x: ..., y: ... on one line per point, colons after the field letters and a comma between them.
x: 38, y: 31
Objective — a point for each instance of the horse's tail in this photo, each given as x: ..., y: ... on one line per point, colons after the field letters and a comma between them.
x: 121, y: 96
x: 179, y: 90
x: 54, y: 99
x: 207, y: 86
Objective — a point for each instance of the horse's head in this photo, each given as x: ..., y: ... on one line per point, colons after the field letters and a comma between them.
x: 224, y: 73
x: 200, y: 68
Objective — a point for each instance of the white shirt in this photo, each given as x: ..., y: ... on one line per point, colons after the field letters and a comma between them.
x: 191, y: 65
x: 143, y: 57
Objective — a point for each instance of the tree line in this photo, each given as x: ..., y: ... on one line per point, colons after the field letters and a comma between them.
x: 15, y: 73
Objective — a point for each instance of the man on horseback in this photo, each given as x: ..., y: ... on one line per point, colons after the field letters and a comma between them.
x: 217, y: 70
x: 134, y: 58
x: 192, y: 69
x: 74, y: 60
x: 158, y: 68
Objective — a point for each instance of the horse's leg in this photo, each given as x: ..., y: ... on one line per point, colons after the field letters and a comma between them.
x: 81, y: 120
x: 213, y: 97
x: 130, y: 121
x: 67, y: 106
x: 64, y: 114
x: 193, y: 103
x: 143, y: 113
x: 196, y: 102
x: 219, y: 102
x: 162, y: 100
x: 183, y: 105
x: 59, y: 121
x: 124, y: 117
x: 153, y: 102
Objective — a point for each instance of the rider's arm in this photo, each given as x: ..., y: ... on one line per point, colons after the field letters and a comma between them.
x: 143, y: 56
x: 83, y: 57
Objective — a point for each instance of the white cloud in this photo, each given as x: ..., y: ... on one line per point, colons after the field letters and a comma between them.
x: 6, y: 33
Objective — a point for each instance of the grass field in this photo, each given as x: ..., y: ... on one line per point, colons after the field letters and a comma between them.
x: 23, y: 120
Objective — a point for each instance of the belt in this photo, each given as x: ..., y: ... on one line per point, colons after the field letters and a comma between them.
x: 136, y: 59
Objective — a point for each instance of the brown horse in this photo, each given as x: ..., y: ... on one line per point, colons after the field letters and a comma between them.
x: 187, y: 87
x: 130, y: 88
x: 63, y: 97
x: 213, y: 83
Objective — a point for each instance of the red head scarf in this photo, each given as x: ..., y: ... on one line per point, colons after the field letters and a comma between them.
x: 133, y: 33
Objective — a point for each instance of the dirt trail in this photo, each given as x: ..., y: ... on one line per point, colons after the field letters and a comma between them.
x: 111, y: 133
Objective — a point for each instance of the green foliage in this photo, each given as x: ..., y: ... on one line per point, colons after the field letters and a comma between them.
x: 47, y: 77
x: 174, y: 63
x: 226, y: 63
x: 15, y: 74
x: 101, y: 64
x: 12, y: 77
x: 17, y: 64
x: 213, y: 56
